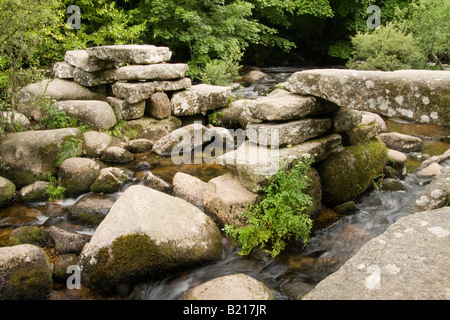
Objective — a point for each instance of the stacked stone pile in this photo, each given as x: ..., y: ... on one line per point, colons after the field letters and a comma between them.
x: 129, y: 75
x: 343, y: 141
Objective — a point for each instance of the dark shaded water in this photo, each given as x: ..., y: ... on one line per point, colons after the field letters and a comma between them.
x: 291, y: 274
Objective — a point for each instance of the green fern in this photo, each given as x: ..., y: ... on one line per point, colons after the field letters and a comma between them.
x: 280, y: 216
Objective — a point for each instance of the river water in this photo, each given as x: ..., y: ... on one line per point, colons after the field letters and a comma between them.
x: 290, y: 275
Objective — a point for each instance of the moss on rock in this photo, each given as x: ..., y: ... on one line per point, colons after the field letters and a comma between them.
x: 132, y: 259
x: 347, y: 175
x: 27, y: 234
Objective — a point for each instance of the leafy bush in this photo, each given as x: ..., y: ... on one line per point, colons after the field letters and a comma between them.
x: 280, y: 215
x: 386, y: 48
x: 428, y: 22
x: 224, y: 71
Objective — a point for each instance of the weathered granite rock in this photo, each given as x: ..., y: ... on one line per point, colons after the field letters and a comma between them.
x: 24, y: 273
x: 28, y: 235
x: 63, y: 70
x: 56, y: 90
x: 287, y: 133
x: 158, y: 106
x: 163, y: 71
x: 91, y: 209
x: 407, y: 262
x: 401, y: 142
x: 418, y: 95
x: 133, y: 92
x: 199, y: 99
x: 7, y: 191
x: 145, y: 235
x: 131, y: 54
x: 184, y: 139
x: 283, y: 106
x: 125, y: 110
x: 398, y: 161
x: 232, y: 287
x: 156, y: 183
x: 95, y: 143
x: 34, y: 192
x: 115, y: 154
x: 154, y: 129
x: 225, y: 199
x: 111, y: 180
x: 137, y: 91
x: 436, y: 194
x: 139, y: 145
x: 80, y: 59
x: 60, y: 265
x: 189, y: 188
x: 96, y: 114
x: 67, y: 241
x: 348, y: 174
x: 254, y: 165
x: 14, y: 121
x: 77, y: 175
x: 93, y: 79
x: 30, y: 155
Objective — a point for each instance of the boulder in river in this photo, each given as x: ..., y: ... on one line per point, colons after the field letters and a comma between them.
x: 401, y: 142
x: 7, y: 191
x: 348, y: 174
x: 409, y: 261
x: 225, y: 199
x: 147, y: 234
x: 77, y: 175
x: 231, y: 287
x: 24, y: 273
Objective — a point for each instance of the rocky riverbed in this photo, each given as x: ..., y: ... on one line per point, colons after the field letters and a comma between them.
x: 139, y: 213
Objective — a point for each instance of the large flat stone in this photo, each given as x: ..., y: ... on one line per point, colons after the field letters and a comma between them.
x: 154, y: 129
x: 137, y: 91
x: 80, y: 59
x: 282, y: 105
x: 131, y: 54
x: 164, y: 71
x: 199, y: 99
x: 407, y: 262
x: 418, y: 95
x: 287, y: 133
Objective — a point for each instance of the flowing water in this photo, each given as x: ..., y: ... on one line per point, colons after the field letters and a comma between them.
x: 290, y: 275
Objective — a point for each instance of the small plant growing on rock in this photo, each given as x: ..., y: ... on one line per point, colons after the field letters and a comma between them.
x: 54, y: 192
x: 281, y: 215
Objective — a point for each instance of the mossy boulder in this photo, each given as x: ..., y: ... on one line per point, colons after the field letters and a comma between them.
x: 92, y: 208
x: 348, y: 174
x: 28, y: 235
x: 60, y: 265
x: 30, y: 156
x: 7, y: 191
x: 147, y: 234
x: 77, y: 175
x: 34, y: 192
x: 24, y: 273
